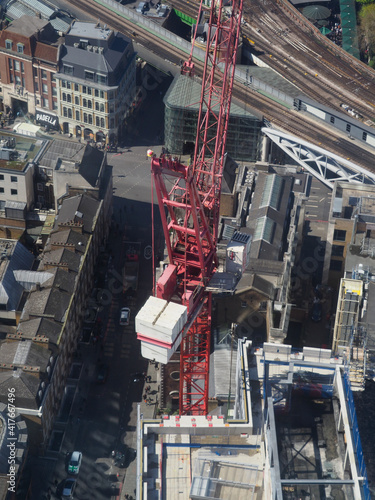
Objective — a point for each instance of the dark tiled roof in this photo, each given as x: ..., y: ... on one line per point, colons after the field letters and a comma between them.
x: 79, y: 209
x: 40, y: 327
x: 46, y: 52
x: 70, y: 237
x: 24, y: 353
x: 63, y: 257
x: 49, y: 302
x: 26, y: 387
x: 63, y: 280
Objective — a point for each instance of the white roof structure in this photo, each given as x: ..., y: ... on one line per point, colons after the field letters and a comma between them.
x: 26, y: 129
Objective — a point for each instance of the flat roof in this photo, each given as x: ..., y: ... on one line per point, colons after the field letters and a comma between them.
x: 83, y: 29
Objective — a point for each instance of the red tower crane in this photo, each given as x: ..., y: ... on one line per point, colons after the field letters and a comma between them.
x: 189, y: 200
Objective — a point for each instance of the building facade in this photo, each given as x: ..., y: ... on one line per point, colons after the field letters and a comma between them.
x: 28, y: 59
x: 181, y: 116
x: 95, y: 82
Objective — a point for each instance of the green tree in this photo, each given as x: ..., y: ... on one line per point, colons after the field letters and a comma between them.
x: 365, y: 2
x: 366, y: 30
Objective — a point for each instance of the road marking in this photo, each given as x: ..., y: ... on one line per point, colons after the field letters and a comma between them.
x: 322, y: 199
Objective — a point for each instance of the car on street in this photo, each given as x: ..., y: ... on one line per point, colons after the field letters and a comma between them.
x: 68, y: 488
x: 102, y: 373
x: 125, y: 316
x: 316, y: 311
x: 75, y: 462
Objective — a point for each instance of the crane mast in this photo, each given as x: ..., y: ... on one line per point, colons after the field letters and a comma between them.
x: 189, y: 203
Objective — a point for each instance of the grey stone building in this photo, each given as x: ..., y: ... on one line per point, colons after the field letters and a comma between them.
x: 95, y: 82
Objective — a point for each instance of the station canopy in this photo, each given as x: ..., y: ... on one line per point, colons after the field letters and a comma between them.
x: 316, y: 12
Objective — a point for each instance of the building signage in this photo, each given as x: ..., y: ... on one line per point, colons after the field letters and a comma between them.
x: 46, y: 119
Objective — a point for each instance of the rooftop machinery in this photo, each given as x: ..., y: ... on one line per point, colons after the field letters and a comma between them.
x: 189, y: 202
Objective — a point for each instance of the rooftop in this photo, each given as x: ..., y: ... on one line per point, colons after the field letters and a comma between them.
x: 90, y: 30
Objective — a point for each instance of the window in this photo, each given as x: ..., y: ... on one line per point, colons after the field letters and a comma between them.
x: 8, y: 44
x: 65, y: 112
x: 85, y: 117
x: 102, y: 107
x: 338, y: 250
x: 36, y: 85
x: 54, y: 91
x: 96, y: 106
x: 1, y: 190
x: 76, y: 87
x: 101, y: 79
x: 54, y: 105
x: 20, y: 47
x: 1, y: 177
x: 348, y: 127
x: 23, y: 82
x: 13, y: 191
x: 45, y: 88
x: 89, y: 90
x: 70, y: 113
x: 84, y: 89
x: 76, y: 100
x: 18, y: 80
x: 90, y: 119
x: 35, y: 72
x: 99, y: 93
x: 332, y: 119
x: 89, y: 104
x: 41, y: 199
x: 10, y: 63
x: 78, y: 118
x: 102, y: 122
x: 44, y: 74
x: 69, y: 97
x: 335, y: 265
x: 364, y: 136
x: 45, y: 103
x: 63, y: 84
x: 68, y: 85
x: 339, y: 235
x: 67, y: 70
x: 39, y: 186
x: 97, y: 121
x: 16, y: 65
x: 84, y: 102
x: 89, y: 75
x: 22, y: 67
x: 13, y: 178
x: 11, y: 78
x: 111, y: 108
x: 64, y: 96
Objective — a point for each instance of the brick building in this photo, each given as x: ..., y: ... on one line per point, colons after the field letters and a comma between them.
x: 29, y: 49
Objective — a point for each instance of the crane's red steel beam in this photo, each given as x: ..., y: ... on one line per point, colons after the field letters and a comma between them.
x: 189, y: 208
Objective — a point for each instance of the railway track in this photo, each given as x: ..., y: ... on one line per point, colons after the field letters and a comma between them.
x: 280, y: 116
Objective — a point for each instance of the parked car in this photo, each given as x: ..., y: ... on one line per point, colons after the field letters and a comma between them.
x: 75, y: 462
x: 125, y: 316
x: 316, y: 311
x: 102, y: 373
x: 69, y: 487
